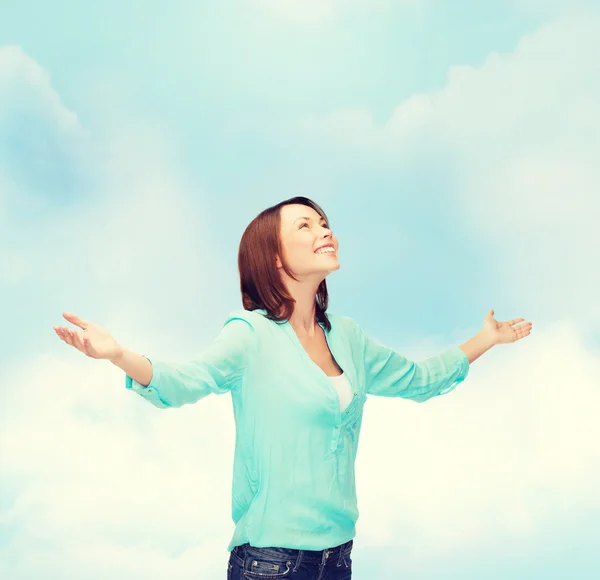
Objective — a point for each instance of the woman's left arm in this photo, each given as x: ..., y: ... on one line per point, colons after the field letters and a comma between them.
x: 390, y: 374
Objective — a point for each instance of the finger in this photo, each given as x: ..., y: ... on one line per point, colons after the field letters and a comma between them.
x: 86, y: 346
x: 68, y: 334
x: 62, y: 332
x: 78, y: 341
x: 515, y: 320
x: 59, y: 332
x: 76, y: 320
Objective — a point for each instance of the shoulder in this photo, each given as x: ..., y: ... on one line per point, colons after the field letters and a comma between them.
x: 241, y: 330
x: 346, y: 324
x: 252, y: 318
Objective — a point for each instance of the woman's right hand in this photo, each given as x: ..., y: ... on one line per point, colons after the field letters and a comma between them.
x: 95, y: 341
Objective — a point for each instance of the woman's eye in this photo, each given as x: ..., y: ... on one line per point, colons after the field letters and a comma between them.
x: 305, y: 224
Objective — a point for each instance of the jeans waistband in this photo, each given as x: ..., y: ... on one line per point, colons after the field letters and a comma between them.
x: 293, y: 553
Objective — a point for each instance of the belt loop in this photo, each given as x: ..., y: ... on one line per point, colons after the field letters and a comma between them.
x: 298, y: 560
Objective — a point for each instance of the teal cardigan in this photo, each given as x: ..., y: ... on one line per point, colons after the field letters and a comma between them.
x: 293, y: 471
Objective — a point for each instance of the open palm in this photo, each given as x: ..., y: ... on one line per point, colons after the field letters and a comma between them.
x: 507, y: 331
x: 94, y: 341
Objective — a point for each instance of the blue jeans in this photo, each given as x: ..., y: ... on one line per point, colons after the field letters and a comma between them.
x: 249, y: 563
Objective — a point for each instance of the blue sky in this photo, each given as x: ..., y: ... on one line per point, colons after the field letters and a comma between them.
x: 454, y: 146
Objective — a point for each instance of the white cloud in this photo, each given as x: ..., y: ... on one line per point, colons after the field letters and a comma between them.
x: 512, y: 451
x: 522, y: 133
x: 131, y: 207
x: 89, y: 489
x: 22, y: 80
x: 26, y: 99
x: 96, y: 479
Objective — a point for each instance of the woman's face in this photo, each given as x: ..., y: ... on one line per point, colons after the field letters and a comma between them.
x: 302, y: 232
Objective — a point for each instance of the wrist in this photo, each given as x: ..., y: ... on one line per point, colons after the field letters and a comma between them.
x: 486, y: 339
x: 118, y: 356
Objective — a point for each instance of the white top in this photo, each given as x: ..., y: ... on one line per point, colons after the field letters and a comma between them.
x: 342, y: 386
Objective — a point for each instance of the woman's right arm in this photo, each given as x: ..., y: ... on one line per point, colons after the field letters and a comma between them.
x: 218, y: 368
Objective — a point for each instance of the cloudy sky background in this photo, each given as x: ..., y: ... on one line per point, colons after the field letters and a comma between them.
x: 454, y: 146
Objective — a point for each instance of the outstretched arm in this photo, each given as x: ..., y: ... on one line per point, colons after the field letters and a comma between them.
x: 390, y: 374
x: 217, y: 369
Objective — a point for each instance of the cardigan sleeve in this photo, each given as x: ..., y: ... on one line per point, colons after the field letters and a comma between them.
x: 390, y: 374
x: 217, y: 369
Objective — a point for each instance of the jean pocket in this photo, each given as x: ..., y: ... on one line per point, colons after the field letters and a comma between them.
x: 266, y: 569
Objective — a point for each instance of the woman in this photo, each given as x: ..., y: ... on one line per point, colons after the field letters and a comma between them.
x: 298, y: 379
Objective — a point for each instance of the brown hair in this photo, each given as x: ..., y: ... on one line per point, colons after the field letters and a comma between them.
x: 260, y: 283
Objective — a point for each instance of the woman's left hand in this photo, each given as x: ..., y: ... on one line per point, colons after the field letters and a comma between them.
x: 504, y: 332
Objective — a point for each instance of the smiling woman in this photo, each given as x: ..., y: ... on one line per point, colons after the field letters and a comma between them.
x: 299, y: 379
x: 280, y: 268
